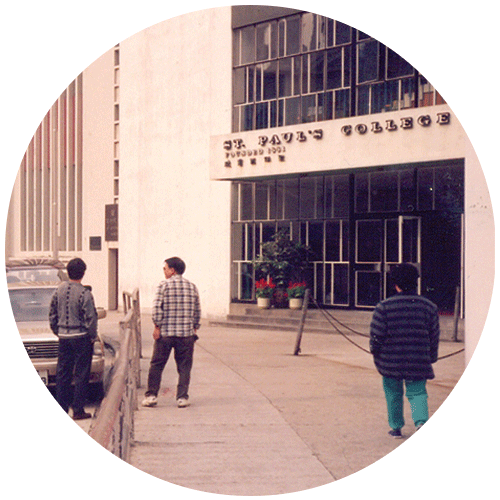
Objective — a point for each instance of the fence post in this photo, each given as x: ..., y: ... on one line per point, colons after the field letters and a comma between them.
x: 305, y: 305
x: 456, y: 314
x: 137, y: 311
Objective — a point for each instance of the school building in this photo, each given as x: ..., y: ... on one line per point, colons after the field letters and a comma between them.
x: 203, y: 135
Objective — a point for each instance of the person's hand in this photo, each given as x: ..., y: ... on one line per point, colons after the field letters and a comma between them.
x: 156, y: 333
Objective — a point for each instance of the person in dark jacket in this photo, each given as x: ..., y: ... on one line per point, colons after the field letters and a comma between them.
x: 73, y: 318
x: 404, y: 340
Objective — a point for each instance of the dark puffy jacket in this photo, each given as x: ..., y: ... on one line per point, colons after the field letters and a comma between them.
x: 404, y: 337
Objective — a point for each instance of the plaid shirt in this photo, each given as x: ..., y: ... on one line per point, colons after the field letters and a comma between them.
x: 176, y: 307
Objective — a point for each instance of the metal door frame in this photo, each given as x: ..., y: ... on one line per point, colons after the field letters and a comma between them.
x: 383, y: 266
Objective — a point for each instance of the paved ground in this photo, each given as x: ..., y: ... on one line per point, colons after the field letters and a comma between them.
x: 263, y: 421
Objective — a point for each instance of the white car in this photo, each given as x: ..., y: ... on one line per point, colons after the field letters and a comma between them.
x: 35, y: 269
x: 30, y: 303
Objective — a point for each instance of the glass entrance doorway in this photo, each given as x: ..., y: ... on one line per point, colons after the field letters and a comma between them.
x: 379, y: 244
x: 357, y: 225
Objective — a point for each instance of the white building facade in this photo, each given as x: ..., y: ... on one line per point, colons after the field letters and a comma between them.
x: 203, y: 135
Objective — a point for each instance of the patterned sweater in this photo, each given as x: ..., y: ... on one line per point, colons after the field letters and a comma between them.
x: 176, y: 307
x: 404, y: 337
x: 72, y: 311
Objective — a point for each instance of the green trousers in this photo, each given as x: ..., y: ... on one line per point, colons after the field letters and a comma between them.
x: 417, y: 396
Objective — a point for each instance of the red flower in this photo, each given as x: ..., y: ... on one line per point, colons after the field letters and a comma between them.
x: 297, y: 289
x: 262, y: 283
x: 264, y: 288
x: 297, y: 285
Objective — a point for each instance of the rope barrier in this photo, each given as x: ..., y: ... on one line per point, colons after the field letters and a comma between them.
x: 451, y: 354
x: 329, y: 316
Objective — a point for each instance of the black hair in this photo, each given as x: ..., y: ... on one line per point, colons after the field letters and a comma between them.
x: 405, y: 276
x: 177, y: 264
x: 76, y: 269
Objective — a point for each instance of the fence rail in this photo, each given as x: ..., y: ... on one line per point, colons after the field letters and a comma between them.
x: 113, y: 427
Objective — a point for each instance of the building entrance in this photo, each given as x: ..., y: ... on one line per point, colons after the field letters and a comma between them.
x: 357, y: 225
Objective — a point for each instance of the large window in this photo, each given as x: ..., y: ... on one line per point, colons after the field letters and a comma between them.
x: 314, y: 210
x: 306, y: 67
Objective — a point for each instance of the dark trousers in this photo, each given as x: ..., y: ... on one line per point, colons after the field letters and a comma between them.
x: 183, y: 354
x: 73, y: 363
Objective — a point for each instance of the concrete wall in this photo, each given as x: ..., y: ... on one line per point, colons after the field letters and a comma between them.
x: 175, y: 92
x: 97, y: 169
x: 479, y: 251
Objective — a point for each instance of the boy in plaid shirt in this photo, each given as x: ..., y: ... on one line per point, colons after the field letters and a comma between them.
x: 176, y: 318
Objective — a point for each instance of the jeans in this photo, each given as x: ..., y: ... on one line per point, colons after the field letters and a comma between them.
x: 417, y: 396
x: 73, y: 363
x: 183, y: 354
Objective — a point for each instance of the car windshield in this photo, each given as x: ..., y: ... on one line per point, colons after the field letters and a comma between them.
x: 49, y: 274
x: 31, y: 304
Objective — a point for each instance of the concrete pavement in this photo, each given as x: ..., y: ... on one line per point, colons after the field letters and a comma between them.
x: 263, y: 421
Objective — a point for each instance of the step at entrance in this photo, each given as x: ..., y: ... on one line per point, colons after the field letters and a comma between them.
x: 250, y: 316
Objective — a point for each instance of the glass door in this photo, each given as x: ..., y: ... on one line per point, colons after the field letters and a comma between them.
x: 328, y: 273
x: 381, y: 243
x: 369, y: 258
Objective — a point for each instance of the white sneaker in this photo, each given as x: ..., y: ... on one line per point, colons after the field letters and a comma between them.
x: 182, y: 403
x: 150, y: 401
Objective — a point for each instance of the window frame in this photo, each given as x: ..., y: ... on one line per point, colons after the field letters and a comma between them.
x: 292, y: 44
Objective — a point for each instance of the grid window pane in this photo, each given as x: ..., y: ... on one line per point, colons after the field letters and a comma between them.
x: 248, y: 45
x: 293, y: 35
x: 323, y: 58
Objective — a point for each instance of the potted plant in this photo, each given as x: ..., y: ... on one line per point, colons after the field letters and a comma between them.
x: 264, y: 290
x: 296, y: 292
x: 283, y: 260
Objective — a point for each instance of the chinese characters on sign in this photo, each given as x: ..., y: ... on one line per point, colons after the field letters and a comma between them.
x: 273, y: 147
x: 111, y: 226
x: 267, y: 147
